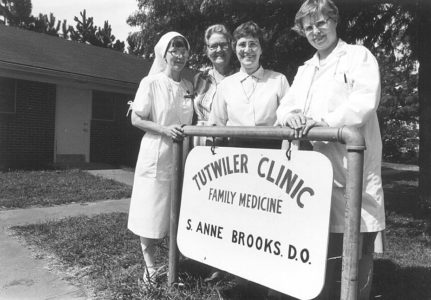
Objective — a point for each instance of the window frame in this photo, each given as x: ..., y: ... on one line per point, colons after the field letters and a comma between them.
x: 15, y: 87
x: 111, y: 98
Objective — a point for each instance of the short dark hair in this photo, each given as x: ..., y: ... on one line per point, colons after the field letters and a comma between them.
x: 178, y: 42
x: 249, y: 28
x: 313, y: 7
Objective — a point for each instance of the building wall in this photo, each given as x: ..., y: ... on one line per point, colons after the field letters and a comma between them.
x: 27, y: 136
x: 115, y: 141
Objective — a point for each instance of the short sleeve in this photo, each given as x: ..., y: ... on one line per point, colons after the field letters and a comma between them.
x: 143, y: 101
x: 284, y: 87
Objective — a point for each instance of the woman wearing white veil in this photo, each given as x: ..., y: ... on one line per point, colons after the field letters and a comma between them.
x: 162, y: 104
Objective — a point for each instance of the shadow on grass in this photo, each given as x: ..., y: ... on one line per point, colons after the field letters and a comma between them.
x: 401, y: 193
x: 392, y: 282
x: 389, y: 175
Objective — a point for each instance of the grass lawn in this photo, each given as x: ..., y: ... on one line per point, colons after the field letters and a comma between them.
x: 106, y: 257
x: 21, y: 189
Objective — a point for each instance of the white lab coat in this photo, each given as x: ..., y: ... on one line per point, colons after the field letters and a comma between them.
x: 344, y: 91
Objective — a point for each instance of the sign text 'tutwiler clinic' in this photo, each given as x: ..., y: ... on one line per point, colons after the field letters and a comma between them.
x: 258, y: 215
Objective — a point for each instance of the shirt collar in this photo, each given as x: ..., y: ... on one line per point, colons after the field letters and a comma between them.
x: 258, y: 74
x: 212, y: 77
x: 338, y: 51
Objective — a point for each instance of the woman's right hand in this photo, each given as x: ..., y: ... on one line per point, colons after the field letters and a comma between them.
x: 297, y: 122
x: 175, y: 132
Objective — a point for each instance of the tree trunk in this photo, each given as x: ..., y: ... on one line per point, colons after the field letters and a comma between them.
x: 424, y: 38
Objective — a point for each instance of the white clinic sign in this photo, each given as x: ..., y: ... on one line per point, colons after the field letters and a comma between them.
x: 258, y: 215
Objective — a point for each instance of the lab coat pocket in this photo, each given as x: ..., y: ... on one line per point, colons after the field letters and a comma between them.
x: 339, y: 90
x: 148, y: 155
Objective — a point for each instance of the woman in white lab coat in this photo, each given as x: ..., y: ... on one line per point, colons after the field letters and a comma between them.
x: 162, y: 104
x: 340, y: 86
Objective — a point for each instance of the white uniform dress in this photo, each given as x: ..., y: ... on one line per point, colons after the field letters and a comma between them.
x: 344, y: 91
x: 161, y: 100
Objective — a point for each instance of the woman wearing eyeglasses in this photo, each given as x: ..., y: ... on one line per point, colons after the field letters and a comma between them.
x: 251, y: 96
x: 161, y: 105
x: 219, y: 51
x: 340, y: 86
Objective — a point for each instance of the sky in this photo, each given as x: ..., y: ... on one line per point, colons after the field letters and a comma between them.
x: 115, y: 12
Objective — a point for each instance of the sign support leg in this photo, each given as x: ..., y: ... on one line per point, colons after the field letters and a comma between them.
x: 350, y: 270
x: 175, y: 209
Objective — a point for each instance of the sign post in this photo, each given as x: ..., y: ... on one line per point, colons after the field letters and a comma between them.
x: 350, y: 271
x: 355, y: 145
x: 175, y: 209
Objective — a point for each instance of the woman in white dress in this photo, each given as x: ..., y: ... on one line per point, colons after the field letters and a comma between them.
x: 162, y: 104
x: 340, y: 86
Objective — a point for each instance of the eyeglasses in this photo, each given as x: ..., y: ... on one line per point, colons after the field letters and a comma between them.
x: 179, y: 52
x: 215, y: 46
x: 252, y: 45
x: 322, y: 24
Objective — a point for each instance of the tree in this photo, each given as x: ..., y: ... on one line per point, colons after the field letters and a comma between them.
x: 425, y: 104
x: 87, y: 32
x: 45, y: 24
x: 16, y: 12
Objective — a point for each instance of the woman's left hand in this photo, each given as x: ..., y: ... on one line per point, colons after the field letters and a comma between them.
x: 175, y: 132
x: 310, y: 123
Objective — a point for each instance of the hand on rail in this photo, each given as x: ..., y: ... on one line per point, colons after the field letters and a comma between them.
x: 302, y: 124
x: 296, y: 121
x: 310, y: 123
x: 175, y: 132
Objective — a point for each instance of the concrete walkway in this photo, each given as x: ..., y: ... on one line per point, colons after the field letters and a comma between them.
x: 24, y: 277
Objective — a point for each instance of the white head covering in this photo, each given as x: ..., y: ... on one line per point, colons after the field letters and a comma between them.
x: 159, y: 63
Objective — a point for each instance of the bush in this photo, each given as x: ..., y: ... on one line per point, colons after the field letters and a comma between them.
x: 400, y: 141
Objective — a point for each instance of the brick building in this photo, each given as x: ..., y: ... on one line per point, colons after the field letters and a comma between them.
x: 64, y: 103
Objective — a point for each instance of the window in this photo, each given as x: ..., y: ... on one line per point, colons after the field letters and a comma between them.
x: 103, y: 106
x: 7, y: 95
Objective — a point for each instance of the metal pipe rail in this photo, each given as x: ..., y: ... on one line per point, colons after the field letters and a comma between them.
x: 355, y: 145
